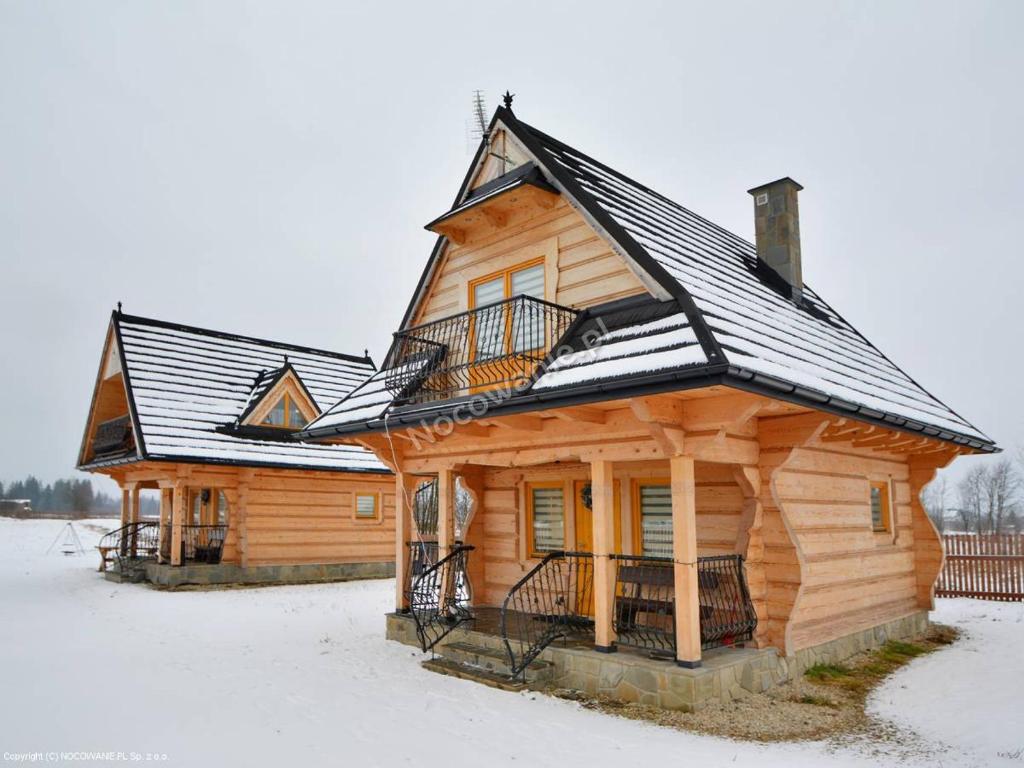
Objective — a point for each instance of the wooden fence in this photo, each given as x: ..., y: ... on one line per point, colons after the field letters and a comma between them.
x: 986, y: 566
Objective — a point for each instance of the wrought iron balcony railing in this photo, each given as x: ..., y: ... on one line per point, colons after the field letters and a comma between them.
x: 113, y: 436
x: 499, y: 344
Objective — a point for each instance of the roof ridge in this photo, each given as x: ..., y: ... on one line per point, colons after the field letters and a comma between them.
x: 151, y: 321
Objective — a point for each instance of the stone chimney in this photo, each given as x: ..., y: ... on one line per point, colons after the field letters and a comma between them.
x: 777, y: 228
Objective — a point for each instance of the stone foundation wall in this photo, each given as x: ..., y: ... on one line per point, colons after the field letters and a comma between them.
x: 227, y: 573
x: 725, y: 675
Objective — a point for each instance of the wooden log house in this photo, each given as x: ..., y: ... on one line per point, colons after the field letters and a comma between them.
x: 674, y: 444
x: 207, y: 418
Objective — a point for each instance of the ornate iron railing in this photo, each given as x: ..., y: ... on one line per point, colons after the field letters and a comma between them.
x: 130, y: 543
x: 424, y: 508
x: 487, y: 347
x: 644, y: 603
x: 439, y: 598
x: 554, y: 600
x: 726, y: 612
x: 420, y: 555
x: 203, y: 543
x: 113, y: 436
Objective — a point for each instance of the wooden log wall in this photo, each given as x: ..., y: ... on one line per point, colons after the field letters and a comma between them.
x: 581, y: 270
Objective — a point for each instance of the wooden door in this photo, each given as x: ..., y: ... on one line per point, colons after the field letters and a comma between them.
x: 585, y: 537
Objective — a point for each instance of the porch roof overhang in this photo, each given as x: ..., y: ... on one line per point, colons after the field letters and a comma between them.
x: 680, y: 379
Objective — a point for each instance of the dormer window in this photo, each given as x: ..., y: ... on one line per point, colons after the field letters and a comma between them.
x: 285, y: 414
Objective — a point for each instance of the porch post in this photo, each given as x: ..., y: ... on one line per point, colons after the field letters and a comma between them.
x: 603, y: 494
x: 126, y: 505
x: 403, y: 532
x: 684, y: 553
x: 177, y: 519
x: 133, y: 512
x: 165, y: 519
x: 445, y: 512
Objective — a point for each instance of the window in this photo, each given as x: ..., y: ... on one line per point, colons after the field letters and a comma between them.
x: 366, y: 506
x: 653, y: 510
x: 545, y: 517
x: 285, y: 414
x: 496, y: 330
x: 880, y: 509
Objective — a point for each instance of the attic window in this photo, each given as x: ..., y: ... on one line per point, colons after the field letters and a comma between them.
x: 285, y: 414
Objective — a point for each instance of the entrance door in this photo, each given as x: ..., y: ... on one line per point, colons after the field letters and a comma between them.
x: 585, y: 536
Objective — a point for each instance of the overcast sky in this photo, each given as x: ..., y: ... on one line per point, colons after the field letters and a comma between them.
x: 267, y: 168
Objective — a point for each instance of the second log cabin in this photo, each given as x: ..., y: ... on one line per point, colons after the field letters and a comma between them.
x: 206, y: 419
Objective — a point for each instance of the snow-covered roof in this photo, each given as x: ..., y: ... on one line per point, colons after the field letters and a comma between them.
x: 188, y: 388
x: 740, y: 324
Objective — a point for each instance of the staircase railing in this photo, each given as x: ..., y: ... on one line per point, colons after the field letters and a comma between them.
x: 130, y: 543
x: 552, y: 601
x: 439, y: 597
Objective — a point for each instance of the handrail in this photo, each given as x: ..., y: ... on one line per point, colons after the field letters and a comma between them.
x: 554, y: 600
x: 500, y: 343
x: 439, y: 597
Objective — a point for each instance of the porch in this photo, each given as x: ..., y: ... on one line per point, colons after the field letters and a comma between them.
x: 477, y: 650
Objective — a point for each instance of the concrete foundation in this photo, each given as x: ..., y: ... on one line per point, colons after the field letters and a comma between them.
x: 207, y: 575
x: 631, y: 676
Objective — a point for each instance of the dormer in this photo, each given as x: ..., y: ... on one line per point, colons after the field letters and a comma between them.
x: 279, y: 401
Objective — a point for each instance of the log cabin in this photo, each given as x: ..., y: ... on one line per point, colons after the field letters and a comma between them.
x: 691, y: 476
x: 206, y: 419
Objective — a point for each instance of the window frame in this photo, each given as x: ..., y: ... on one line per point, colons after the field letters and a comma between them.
x: 288, y: 400
x: 638, y: 513
x: 376, y: 516
x: 531, y: 548
x: 507, y: 345
x: 885, y: 489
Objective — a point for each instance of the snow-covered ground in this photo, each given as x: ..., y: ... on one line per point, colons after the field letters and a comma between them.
x: 302, y: 676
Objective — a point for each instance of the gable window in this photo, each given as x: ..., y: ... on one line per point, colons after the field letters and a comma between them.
x: 285, y: 413
x: 545, y: 518
x: 881, y: 514
x: 497, y: 330
x: 366, y: 506
x: 652, y: 504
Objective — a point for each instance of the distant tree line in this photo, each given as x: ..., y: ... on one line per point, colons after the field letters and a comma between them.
x: 988, y: 499
x: 70, y: 496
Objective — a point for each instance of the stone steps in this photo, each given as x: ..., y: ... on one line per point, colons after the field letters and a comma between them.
x: 490, y: 659
x: 451, y: 668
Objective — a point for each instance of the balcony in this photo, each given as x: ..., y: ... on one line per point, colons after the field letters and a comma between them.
x: 491, y: 347
x: 113, y: 437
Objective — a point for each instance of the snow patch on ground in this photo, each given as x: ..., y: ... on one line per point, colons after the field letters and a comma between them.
x: 302, y: 675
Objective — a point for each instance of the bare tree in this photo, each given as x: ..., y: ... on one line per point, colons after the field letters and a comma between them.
x: 971, y: 496
x: 935, y: 499
x: 1001, y: 490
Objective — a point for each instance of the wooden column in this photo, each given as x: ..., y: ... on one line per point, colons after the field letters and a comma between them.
x: 180, y: 500
x: 445, y: 512
x: 241, y: 514
x: 166, y: 500
x: 684, y: 553
x: 602, y: 488
x: 133, y: 512
x: 126, y: 505
x: 404, y: 494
